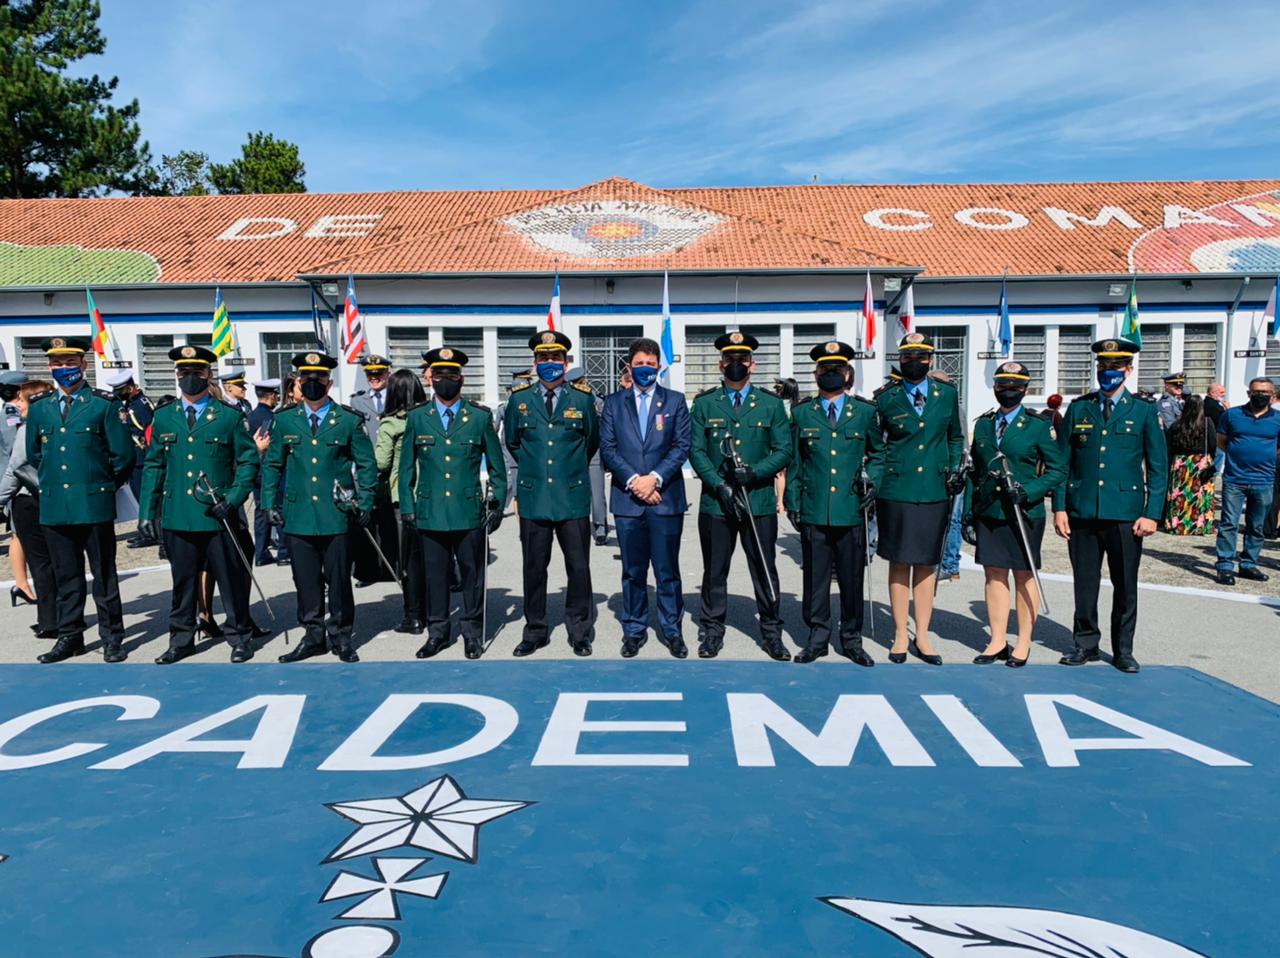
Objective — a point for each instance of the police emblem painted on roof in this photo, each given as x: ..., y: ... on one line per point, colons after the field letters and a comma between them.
x: 1235, y: 236
x: 612, y: 229
x: 446, y: 354
x: 735, y: 338
x: 312, y: 358
x: 548, y: 337
x: 832, y: 347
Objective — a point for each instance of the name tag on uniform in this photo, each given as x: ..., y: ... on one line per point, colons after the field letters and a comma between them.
x: 810, y: 433
x: 715, y: 422
x: 904, y: 415
x: 1083, y: 425
x: 573, y: 413
x: 168, y: 437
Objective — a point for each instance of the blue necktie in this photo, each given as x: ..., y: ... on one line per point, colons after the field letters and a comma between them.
x: 644, y: 414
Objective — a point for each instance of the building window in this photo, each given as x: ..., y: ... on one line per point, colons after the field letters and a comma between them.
x: 278, y: 350
x: 768, y: 355
x: 949, y: 345
x: 471, y: 341
x: 804, y: 337
x: 1075, y: 360
x: 1200, y: 355
x: 1153, y: 361
x: 513, y: 353
x: 701, y: 360
x: 406, y: 344
x: 601, y: 351
x: 35, y: 363
x: 157, y: 368
x: 1029, y: 349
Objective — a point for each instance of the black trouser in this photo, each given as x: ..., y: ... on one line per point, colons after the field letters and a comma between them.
x: 439, y: 550
x: 574, y: 536
x: 68, y: 546
x: 261, y: 531
x: 383, y: 527
x: 415, y: 575
x: 1091, y: 540
x: 25, y: 511
x: 191, y: 553
x: 821, y: 549
x: 719, y: 538
x: 322, y: 564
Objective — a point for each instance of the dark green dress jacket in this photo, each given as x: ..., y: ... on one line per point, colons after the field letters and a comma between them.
x: 440, y: 471
x: 552, y: 454
x: 81, y: 460
x: 826, y: 459
x: 219, y: 446
x: 1036, y: 460
x: 919, y: 450
x: 761, y: 435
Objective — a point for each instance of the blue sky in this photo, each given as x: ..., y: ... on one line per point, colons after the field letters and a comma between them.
x: 440, y: 94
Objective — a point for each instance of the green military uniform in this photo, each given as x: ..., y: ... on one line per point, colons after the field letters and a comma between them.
x: 832, y: 436
x: 189, y: 440
x: 445, y: 443
x: 318, y: 450
x: 753, y: 423
x: 919, y: 451
x: 78, y: 443
x: 1035, y: 458
x: 553, y: 449
x: 1117, y: 473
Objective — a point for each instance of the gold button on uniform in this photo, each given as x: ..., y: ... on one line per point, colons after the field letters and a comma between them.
x: 833, y: 488
x: 833, y: 472
x: 919, y: 468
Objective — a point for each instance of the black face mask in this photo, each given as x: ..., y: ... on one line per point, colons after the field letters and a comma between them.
x: 314, y: 389
x: 447, y: 389
x: 8, y: 393
x: 1259, y: 401
x: 736, y: 371
x: 192, y: 385
x: 832, y: 380
x: 914, y: 370
x: 1008, y: 398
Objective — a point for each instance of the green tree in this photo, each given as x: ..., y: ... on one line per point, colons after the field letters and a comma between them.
x: 186, y: 173
x: 59, y: 134
x: 266, y: 165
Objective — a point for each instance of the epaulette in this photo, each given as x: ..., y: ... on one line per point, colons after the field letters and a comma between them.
x: 166, y: 402
x: 425, y: 402
x: 103, y: 394
x: 942, y: 382
x: 989, y: 414
x: 230, y: 405
x: 706, y: 392
x: 1146, y: 397
x: 582, y: 386
x: 355, y: 412
x: 1089, y: 395
x: 358, y: 392
x: 520, y: 389
x: 480, y: 405
x: 862, y: 399
x: 283, y: 409
x: 1046, y: 415
x: 801, y: 402
x: 38, y: 396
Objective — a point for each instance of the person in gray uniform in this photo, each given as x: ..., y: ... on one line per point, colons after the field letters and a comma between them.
x: 10, y: 381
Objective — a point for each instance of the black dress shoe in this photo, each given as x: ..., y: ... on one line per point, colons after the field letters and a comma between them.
x: 630, y: 648
x: 113, y: 653
x: 677, y: 648
x: 242, y: 653
x: 985, y: 659
x: 582, y: 648
x: 363, y: 583
x: 602, y: 540
x: 709, y: 648
x: 897, y: 658
x: 171, y: 655
x: 529, y: 646
x: 473, y: 648
x: 432, y: 647
x: 347, y: 653
x: 1225, y: 578
x: 1126, y: 663
x: 933, y: 659
x: 1017, y: 663
x: 258, y: 632
x: 858, y: 656
x: 810, y: 654
x: 1251, y: 573
x: 776, y: 650
x: 64, y: 648
x: 269, y: 560
x: 1080, y: 657
x: 284, y: 561
x: 410, y: 627
x: 304, y: 651
x: 45, y: 633
x: 209, y: 628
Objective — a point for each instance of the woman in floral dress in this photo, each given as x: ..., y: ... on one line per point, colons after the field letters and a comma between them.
x: 1192, y: 441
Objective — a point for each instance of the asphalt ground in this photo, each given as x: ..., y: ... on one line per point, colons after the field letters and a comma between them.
x: 1183, y: 617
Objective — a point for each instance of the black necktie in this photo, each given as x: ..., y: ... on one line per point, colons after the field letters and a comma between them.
x: 315, y: 424
x: 1107, y: 407
x: 1001, y: 425
x: 737, y: 401
x: 919, y: 401
x: 551, y: 403
x: 831, y: 413
x: 448, y: 419
x: 66, y: 404
x: 191, y: 418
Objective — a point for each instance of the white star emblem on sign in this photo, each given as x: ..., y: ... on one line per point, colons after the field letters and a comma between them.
x: 437, y: 818
x: 381, y: 901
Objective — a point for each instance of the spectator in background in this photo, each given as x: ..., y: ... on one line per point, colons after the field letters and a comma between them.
x: 951, y: 549
x: 1215, y: 404
x: 259, y: 421
x: 1053, y: 405
x: 1170, y: 404
x: 403, y: 391
x: 1250, y: 435
x: 20, y: 497
x: 1192, y: 442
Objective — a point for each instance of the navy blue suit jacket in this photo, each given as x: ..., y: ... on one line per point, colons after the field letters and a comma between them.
x: 663, y: 450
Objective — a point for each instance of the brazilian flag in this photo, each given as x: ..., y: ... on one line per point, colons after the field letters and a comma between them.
x: 1132, y: 326
x: 223, y: 342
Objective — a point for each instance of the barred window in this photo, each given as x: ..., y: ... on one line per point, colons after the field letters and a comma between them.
x: 804, y: 337
x: 471, y: 341
x: 949, y: 347
x: 1200, y: 355
x: 768, y: 355
x: 513, y: 353
x: 157, y: 369
x: 701, y: 360
x: 406, y: 344
x: 278, y: 350
x: 1153, y: 362
x: 1029, y: 349
x: 1075, y: 360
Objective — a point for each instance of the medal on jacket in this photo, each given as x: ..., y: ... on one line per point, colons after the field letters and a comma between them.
x: 657, y: 422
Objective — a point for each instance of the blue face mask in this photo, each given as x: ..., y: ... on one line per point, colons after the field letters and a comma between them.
x: 644, y: 376
x: 67, y: 376
x: 1109, y: 379
x: 550, y: 372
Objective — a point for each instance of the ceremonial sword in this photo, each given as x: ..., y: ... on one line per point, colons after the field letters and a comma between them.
x: 866, y: 548
x: 966, y: 466
x: 1007, y: 475
x: 345, y: 499
x: 729, y: 452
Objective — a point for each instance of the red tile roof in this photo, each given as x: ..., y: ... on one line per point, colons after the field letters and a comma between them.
x: 617, y: 225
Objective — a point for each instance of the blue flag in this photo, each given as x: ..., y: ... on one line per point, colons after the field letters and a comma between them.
x: 1006, y: 329
x: 668, y: 350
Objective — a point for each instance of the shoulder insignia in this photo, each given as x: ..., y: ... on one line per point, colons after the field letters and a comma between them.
x: 103, y: 394
x: 166, y: 402
x: 706, y: 392
x: 520, y: 389
x: 482, y: 406
x: 582, y: 386
x: 801, y: 402
x: 44, y: 395
x: 359, y: 392
x: 863, y: 399
x: 425, y: 402
x: 230, y: 405
x: 989, y: 414
x: 1046, y: 415
x: 1146, y: 397
x: 1090, y: 395
x: 364, y: 417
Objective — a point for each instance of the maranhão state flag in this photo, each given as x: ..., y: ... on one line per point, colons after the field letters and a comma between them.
x: 97, y: 327
x: 353, y: 325
x: 868, y: 316
x: 553, y: 312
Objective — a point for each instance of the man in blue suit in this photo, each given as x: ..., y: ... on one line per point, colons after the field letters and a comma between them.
x: 645, y: 435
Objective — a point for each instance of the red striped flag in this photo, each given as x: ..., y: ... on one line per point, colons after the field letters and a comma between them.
x: 869, y: 316
x: 97, y: 326
x: 553, y: 313
x: 353, y: 326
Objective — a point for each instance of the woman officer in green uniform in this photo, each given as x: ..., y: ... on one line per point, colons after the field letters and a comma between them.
x: 1037, y: 465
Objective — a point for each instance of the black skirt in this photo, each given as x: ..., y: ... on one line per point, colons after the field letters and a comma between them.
x: 912, y: 532
x: 999, y: 544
